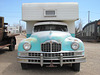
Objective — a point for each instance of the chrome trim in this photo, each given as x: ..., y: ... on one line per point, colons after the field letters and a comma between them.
x: 29, y: 48
x: 60, y: 60
x: 51, y: 42
x: 48, y: 52
x: 56, y: 57
x: 41, y: 59
x: 51, y: 45
x: 51, y: 54
x: 73, y: 43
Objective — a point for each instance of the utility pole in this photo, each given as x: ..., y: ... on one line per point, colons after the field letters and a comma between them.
x: 80, y: 25
x: 88, y: 16
x: 20, y: 22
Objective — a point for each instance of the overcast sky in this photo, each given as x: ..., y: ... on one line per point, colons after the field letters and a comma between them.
x: 11, y: 10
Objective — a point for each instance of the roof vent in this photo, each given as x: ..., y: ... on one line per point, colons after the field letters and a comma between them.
x: 51, y: 13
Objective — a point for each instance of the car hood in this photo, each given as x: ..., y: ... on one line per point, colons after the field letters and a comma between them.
x: 58, y: 36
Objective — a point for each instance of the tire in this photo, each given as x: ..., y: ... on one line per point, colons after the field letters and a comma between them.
x: 12, y: 46
x: 76, y: 67
x: 24, y: 66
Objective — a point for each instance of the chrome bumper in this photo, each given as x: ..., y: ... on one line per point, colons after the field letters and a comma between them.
x: 60, y: 59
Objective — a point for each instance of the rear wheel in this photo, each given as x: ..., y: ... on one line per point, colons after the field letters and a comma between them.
x: 76, y: 66
x: 12, y: 46
x: 24, y: 66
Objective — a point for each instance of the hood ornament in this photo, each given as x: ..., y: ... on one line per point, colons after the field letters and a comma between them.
x: 50, y: 42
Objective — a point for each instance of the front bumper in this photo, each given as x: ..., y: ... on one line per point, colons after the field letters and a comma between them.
x: 51, y: 58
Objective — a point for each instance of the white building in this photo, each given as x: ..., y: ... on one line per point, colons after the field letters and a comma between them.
x: 14, y: 29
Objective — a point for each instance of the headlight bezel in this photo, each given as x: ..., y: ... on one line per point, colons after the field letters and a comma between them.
x: 27, y: 43
x: 74, y: 44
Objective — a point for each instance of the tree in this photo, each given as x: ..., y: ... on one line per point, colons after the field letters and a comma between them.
x: 78, y: 28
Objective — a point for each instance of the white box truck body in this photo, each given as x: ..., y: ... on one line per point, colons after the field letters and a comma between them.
x: 60, y: 12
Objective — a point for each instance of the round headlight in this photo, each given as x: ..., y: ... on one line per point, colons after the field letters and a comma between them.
x: 75, y: 46
x: 27, y: 46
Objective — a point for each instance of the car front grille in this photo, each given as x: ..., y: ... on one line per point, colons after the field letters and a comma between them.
x: 51, y: 47
x: 51, y: 54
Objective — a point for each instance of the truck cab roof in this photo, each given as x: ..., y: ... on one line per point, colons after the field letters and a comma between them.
x: 49, y: 23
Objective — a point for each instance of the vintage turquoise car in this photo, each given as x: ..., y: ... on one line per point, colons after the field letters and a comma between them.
x: 51, y: 44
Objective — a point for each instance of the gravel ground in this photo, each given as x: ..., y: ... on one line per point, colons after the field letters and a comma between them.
x: 10, y: 66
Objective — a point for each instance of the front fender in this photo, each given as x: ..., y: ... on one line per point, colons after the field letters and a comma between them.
x: 35, y: 44
x: 66, y: 44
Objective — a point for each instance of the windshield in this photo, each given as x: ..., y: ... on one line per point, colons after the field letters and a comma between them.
x: 50, y: 27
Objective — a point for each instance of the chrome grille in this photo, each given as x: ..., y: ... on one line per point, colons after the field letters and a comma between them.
x: 51, y: 47
x: 46, y: 47
x: 34, y: 54
x: 51, y: 54
x: 69, y: 60
x: 56, y: 47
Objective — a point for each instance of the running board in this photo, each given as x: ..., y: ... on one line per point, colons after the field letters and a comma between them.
x: 2, y: 46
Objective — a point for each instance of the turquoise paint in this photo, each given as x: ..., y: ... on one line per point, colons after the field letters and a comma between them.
x: 53, y: 35
x: 66, y: 46
x: 36, y: 40
x: 73, y: 35
x: 28, y: 35
x: 35, y: 45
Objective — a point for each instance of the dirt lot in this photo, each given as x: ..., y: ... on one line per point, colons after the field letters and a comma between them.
x: 10, y: 66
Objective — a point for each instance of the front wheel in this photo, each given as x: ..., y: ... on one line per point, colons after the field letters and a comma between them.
x: 12, y: 46
x: 76, y: 66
